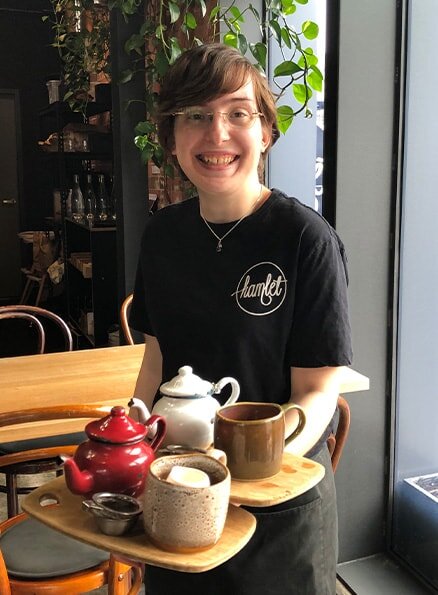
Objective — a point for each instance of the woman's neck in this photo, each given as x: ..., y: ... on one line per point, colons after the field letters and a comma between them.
x: 231, y: 207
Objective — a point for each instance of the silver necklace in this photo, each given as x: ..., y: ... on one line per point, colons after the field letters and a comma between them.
x: 220, y: 239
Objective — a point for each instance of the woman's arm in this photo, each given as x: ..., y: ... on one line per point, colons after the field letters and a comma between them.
x: 316, y: 390
x: 150, y: 375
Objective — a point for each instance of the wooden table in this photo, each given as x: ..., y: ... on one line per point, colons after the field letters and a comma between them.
x: 104, y: 376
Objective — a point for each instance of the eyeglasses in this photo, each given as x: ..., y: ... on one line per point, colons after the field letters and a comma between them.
x: 198, y: 117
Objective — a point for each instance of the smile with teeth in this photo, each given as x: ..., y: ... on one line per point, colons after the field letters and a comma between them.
x: 217, y: 159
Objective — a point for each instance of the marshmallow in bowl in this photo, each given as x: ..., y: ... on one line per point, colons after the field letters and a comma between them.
x: 188, y: 477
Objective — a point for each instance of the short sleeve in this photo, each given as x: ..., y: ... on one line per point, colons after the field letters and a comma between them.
x: 320, y: 334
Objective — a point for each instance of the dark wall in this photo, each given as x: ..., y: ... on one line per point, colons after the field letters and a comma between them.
x: 27, y: 63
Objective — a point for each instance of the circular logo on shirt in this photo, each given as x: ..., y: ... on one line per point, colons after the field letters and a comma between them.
x: 261, y: 289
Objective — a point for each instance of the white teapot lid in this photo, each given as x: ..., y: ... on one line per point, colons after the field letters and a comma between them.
x: 187, y: 384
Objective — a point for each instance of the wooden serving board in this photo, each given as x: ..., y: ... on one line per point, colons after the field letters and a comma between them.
x: 69, y: 518
x: 297, y: 475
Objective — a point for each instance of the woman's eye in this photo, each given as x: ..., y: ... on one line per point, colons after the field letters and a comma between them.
x: 239, y: 114
x: 195, y: 116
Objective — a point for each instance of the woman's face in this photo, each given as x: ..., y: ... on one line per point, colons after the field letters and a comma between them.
x: 217, y: 157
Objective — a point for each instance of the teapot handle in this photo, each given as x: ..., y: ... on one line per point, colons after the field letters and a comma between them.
x: 235, y: 388
x: 161, y: 430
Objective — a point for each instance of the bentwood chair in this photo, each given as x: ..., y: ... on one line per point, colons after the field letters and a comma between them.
x: 35, y: 559
x: 336, y: 441
x: 124, y: 315
x: 35, y: 316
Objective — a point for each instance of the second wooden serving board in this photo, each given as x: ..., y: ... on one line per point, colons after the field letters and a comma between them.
x: 297, y: 475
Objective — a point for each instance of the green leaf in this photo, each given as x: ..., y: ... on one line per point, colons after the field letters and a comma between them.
x: 302, y: 93
x: 301, y: 1
x: 308, y: 58
x: 315, y: 78
x: 159, y: 31
x: 255, y: 12
x: 285, y: 116
x: 259, y: 51
x: 310, y: 29
x: 161, y: 62
x: 214, y: 12
x: 236, y: 13
x: 147, y: 28
x: 275, y: 6
x: 287, y: 68
x: 169, y: 170
x: 315, y: 81
x: 44, y: 18
x: 141, y: 141
x: 203, y: 7
x: 174, y: 12
x: 144, y: 127
x: 134, y: 42
x: 158, y: 156
x: 190, y: 21
x: 231, y: 39
x: 286, y: 37
x: 243, y: 43
x: 125, y: 76
x: 276, y: 30
x: 175, y: 50
x: 146, y: 154
x: 288, y: 7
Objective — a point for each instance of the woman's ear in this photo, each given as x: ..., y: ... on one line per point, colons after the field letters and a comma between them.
x: 266, y: 138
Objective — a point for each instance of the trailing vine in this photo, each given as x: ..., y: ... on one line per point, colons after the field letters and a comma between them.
x: 81, y: 36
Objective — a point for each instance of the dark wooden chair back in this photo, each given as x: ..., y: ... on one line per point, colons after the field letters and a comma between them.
x: 34, y: 314
x: 124, y: 315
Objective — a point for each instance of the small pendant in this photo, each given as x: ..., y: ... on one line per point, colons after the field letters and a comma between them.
x: 219, y: 246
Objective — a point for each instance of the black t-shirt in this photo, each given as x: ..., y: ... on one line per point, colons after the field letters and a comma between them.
x: 274, y: 297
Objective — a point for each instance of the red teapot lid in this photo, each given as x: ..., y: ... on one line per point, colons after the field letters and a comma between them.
x: 116, y: 428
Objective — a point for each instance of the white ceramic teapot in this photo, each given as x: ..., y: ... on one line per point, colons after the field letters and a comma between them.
x: 188, y: 407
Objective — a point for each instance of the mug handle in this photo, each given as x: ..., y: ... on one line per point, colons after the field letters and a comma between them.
x: 217, y: 454
x: 235, y: 388
x: 161, y: 430
x: 301, y: 420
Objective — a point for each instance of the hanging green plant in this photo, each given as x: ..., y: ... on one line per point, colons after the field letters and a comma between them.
x: 172, y: 26
x: 81, y: 36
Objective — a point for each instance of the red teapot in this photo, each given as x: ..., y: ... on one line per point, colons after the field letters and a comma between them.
x: 115, y: 458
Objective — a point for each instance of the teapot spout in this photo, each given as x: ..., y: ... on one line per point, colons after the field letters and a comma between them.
x: 141, y: 409
x: 78, y: 482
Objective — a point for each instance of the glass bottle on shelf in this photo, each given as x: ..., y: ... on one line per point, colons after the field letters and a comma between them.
x: 102, y: 199
x: 77, y: 200
x: 90, y: 201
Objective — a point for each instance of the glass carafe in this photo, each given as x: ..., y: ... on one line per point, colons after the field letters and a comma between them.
x: 77, y: 200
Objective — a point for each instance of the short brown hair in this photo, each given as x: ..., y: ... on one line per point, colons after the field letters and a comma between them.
x: 204, y: 73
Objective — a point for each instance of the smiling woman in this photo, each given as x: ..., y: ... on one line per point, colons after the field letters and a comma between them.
x: 261, y: 285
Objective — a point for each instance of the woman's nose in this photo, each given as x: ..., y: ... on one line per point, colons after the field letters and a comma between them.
x: 218, y: 127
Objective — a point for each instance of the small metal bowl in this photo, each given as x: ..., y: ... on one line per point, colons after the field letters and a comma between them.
x: 115, y: 514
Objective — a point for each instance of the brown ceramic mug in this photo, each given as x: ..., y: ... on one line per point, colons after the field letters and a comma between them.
x: 253, y: 437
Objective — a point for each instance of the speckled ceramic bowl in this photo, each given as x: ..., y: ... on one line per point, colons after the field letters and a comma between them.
x: 185, y: 519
